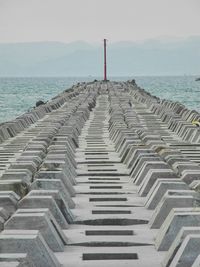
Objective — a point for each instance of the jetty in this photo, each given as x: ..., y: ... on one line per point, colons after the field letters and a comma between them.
x: 104, y: 174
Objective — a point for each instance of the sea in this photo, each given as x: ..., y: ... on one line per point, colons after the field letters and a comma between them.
x: 18, y: 95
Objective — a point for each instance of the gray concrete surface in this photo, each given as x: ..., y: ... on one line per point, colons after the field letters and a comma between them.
x: 103, y: 174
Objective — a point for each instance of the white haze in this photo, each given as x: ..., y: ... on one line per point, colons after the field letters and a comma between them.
x: 93, y: 20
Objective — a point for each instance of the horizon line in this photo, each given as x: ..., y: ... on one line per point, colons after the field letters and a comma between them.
x: 161, y: 38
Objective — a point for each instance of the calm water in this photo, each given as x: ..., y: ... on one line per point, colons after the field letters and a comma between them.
x: 17, y: 95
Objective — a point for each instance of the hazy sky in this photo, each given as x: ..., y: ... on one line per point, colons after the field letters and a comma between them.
x: 92, y: 20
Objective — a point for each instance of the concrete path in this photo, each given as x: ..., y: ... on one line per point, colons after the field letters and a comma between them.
x: 111, y: 222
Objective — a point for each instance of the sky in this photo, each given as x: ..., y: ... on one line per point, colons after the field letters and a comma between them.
x: 93, y: 20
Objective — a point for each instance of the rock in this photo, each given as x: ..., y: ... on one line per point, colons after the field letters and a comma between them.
x: 39, y: 103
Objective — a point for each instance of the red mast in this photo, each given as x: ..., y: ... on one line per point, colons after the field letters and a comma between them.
x: 105, y: 61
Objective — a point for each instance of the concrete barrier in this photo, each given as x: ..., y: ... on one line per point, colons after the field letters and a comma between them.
x: 102, y: 168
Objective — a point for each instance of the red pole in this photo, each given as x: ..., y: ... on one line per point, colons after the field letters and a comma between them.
x: 105, y: 61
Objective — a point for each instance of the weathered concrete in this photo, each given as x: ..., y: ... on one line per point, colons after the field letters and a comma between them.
x: 188, y: 251
x: 44, y: 202
x: 173, y: 199
x: 38, y: 221
x: 54, y: 184
x: 103, y: 174
x: 31, y: 242
x: 21, y: 259
x: 160, y: 187
x: 177, y: 243
x: 176, y: 219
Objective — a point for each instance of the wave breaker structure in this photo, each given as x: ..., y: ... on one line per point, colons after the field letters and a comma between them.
x: 104, y: 174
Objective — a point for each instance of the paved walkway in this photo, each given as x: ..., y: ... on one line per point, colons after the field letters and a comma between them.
x: 111, y: 225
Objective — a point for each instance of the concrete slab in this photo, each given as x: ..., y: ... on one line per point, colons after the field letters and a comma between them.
x: 38, y: 221
x: 177, y: 218
x: 54, y: 184
x: 172, y: 199
x: 31, y: 242
x: 44, y: 202
x: 20, y: 259
x: 159, y: 189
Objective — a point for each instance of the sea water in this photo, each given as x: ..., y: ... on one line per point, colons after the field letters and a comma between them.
x: 17, y: 95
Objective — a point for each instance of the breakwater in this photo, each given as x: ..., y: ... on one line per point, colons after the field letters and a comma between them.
x: 102, y: 174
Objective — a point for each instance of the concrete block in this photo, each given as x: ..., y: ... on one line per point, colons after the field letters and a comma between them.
x: 32, y: 243
x: 3, y: 217
x: 53, y: 165
x: 10, y: 264
x: 62, y: 204
x: 18, y: 170
x: 38, y: 153
x: 146, y: 166
x: 4, y: 214
x: 48, y: 213
x: 136, y: 153
x: 18, y: 175
x: 35, y: 159
x: 31, y: 166
x: 188, y: 251
x: 17, y: 186
x: 38, y: 221
x: 63, y: 153
x: 159, y: 189
x: 197, y: 261
x: 49, y: 202
x: 2, y: 221
x: 177, y: 243
x: 21, y: 259
x: 182, y: 167
x: 188, y: 176
x: 57, y: 174
x: 172, y: 199
x: 54, y: 184
x: 35, y: 147
x: 177, y: 218
x: 151, y: 177
x: 8, y: 200
x: 136, y: 169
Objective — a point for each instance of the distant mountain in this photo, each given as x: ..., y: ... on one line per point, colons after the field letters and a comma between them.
x: 152, y: 57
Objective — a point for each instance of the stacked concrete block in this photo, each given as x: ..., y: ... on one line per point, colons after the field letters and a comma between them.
x: 173, y: 199
x: 31, y: 242
x: 43, y: 221
x: 165, y: 168
x: 99, y: 160
x: 160, y: 187
x: 15, y: 259
x: 196, y: 262
x: 36, y: 185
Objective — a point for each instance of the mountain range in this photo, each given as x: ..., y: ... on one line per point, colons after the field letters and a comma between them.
x: 150, y: 57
